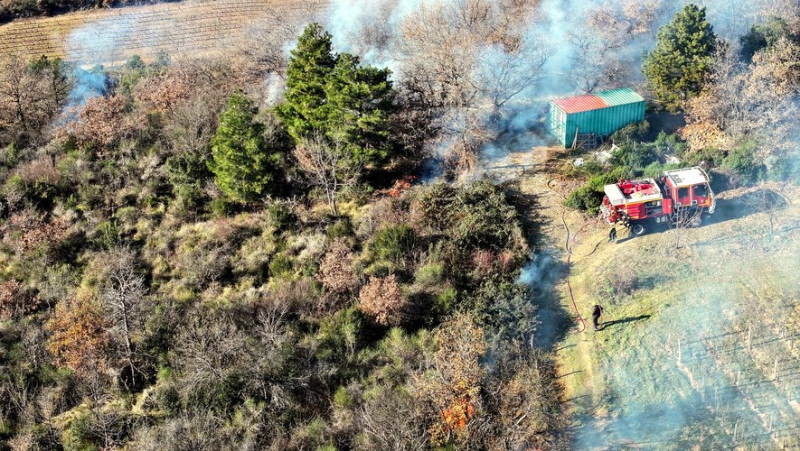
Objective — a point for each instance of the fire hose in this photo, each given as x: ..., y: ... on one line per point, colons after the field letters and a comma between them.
x: 568, y: 248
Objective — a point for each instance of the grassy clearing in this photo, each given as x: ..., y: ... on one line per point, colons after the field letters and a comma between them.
x: 700, y: 349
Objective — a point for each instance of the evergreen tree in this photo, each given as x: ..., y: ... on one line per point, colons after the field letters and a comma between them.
x: 358, y: 103
x: 330, y: 95
x: 309, y: 67
x: 682, y: 59
x: 241, y: 162
x: 764, y: 35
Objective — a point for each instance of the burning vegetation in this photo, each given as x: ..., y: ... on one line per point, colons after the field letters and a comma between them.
x: 285, y: 241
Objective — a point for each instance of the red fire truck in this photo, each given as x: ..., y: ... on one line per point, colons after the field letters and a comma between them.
x: 680, y: 193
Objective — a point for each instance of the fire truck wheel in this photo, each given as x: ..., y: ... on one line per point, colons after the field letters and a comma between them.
x: 696, y: 221
x: 637, y: 229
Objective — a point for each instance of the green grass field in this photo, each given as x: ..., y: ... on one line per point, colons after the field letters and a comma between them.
x: 701, y: 345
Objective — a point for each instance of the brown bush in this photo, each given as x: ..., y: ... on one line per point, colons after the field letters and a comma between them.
x: 487, y: 262
x: 79, y: 338
x: 449, y: 393
x: 27, y: 230
x: 382, y: 299
x: 14, y: 301
x: 483, y: 260
x: 104, y: 121
x: 42, y: 170
x: 336, y: 269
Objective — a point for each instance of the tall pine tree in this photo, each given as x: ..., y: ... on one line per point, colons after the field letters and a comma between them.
x: 332, y: 96
x: 309, y: 68
x: 682, y: 59
x: 358, y: 103
x: 243, y: 165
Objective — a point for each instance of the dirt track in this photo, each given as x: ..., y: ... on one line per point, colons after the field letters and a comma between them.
x: 194, y: 27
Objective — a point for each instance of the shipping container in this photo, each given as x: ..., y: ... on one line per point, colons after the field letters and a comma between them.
x: 594, y: 116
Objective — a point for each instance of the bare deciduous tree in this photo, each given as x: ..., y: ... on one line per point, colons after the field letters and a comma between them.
x: 329, y: 166
x: 26, y: 101
x: 767, y: 201
x: 191, y: 125
x: 742, y: 101
x: 268, y: 37
x: 124, y: 295
x: 683, y: 219
x: 465, y: 60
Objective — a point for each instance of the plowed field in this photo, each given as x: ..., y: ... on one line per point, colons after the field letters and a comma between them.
x: 107, y: 36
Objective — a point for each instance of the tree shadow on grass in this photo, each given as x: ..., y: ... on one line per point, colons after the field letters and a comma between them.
x: 629, y: 319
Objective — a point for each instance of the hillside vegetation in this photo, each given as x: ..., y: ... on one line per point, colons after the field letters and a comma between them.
x: 227, y: 225
x: 181, y: 265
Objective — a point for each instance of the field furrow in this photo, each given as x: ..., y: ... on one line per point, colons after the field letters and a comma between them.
x: 180, y: 29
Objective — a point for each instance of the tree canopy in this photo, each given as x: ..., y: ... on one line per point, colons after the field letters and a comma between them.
x: 332, y: 95
x: 243, y: 164
x: 677, y: 68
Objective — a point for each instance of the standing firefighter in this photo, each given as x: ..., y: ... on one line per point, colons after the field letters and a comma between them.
x: 597, y: 317
x: 612, y: 235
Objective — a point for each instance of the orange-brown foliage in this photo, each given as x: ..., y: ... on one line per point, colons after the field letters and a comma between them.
x: 104, y: 121
x: 382, y: 299
x: 78, y: 338
x: 336, y: 269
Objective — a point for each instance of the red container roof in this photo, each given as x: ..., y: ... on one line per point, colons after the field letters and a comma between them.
x: 578, y: 104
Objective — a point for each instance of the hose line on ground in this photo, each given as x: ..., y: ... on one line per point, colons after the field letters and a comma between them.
x: 568, y: 248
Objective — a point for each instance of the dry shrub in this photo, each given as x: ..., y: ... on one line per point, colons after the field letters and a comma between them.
x: 42, y: 170
x: 451, y: 390
x: 487, y: 262
x: 299, y: 296
x: 385, y: 211
x: 483, y: 260
x: 382, y: 299
x: 27, y: 230
x: 336, y: 269
x: 522, y: 397
x: 703, y: 134
x: 104, y: 121
x: 14, y: 301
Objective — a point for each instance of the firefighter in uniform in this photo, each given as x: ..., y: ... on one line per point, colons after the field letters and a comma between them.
x: 597, y: 316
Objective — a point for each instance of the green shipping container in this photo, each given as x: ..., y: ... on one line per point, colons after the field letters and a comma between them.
x: 602, y: 114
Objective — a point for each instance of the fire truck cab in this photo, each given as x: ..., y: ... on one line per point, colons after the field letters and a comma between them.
x: 690, y: 188
x: 634, y: 203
